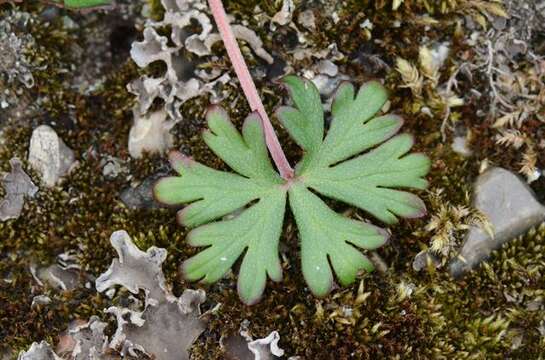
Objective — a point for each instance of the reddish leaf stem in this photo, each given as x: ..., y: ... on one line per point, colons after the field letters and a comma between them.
x: 248, y: 86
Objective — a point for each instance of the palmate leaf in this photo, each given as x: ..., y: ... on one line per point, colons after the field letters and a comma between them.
x: 214, y: 194
x: 333, y: 166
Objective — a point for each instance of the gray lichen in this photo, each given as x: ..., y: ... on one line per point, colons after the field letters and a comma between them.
x: 14, y: 63
x: 39, y: 351
x: 134, y: 269
x: 167, y: 326
x: 18, y: 186
x: 176, y: 87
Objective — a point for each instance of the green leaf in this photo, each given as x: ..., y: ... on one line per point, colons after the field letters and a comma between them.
x: 213, y: 194
x: 365, y: 181
x: 82, y: 4
x: 250, y: 205
x: 351, y: 131
x: 205, y: 189
x: 326, y: 235
x: 246, y: 154
x: 256, y: 230
x: 306, y: 123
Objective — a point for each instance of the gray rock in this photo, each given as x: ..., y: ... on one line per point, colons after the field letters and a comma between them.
x: 49, y: 155
x: 460, y: 146
x: 150, y: 133
x: 141, y: 196
x: 423, y: 258
x: 511, y: 208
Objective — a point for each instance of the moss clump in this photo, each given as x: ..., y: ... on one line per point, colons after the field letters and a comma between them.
x: 156, y: 9
x: 82, y: 212
x: 79, y: 216
x: 405, y: 314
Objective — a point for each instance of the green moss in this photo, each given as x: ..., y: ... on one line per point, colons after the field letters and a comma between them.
x: 442, y: 318
x: 245, y: 8
x: 156, y: 9
x: 83, y: 211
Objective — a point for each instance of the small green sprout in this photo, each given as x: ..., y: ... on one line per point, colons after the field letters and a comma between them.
x: 251, y: 204
x: 72, y: 4
x: 81, y: 4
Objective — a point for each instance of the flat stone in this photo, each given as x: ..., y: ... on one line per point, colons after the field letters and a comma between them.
x: 49, y: 155
x: 511, y: 208
x: 140, y: 196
